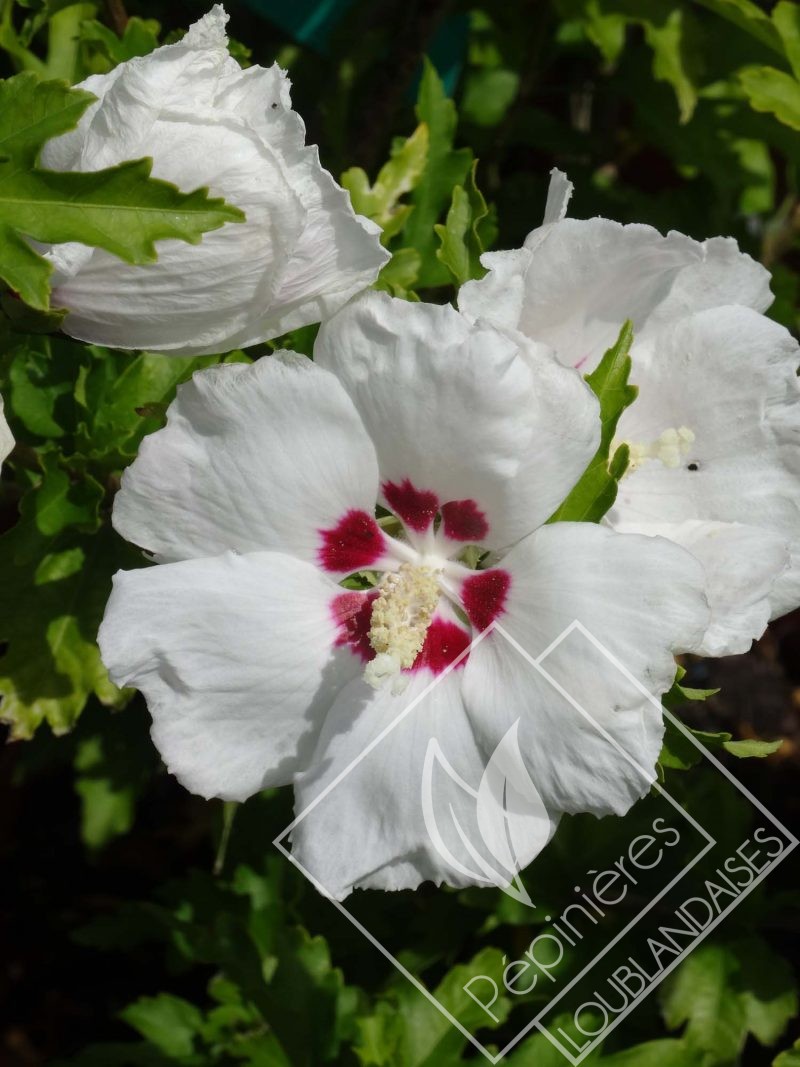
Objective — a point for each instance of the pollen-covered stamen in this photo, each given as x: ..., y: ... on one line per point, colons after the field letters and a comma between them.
x: 401, y: 615
x: 669, y: 448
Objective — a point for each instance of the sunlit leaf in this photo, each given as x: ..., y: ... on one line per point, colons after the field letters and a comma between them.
x: 773, y: 91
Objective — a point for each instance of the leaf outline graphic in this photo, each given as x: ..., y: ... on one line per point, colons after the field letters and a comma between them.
x: 511, y: 816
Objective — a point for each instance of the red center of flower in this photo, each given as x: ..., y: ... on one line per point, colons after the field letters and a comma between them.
x: 484, y: 596
x: 444, y: 642
x: 462, y: 520
x: 357, y: 543
x: 353, y: 544
x: 352, y: 613
x: 416, y: 507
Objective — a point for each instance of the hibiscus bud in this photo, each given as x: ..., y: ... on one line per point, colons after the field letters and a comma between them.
x: 299, y: 256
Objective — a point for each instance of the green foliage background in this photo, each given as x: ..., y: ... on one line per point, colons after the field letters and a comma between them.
x: 149, y: 927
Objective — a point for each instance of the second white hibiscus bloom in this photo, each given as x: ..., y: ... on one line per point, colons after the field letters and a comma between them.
x: 258, y: 499
x: 715, y: 431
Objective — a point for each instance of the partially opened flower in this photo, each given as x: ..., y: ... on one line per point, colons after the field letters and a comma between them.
x: 300, y: 254
x: 6, y: 440
x: 260, y: 668
x: 715, y: 431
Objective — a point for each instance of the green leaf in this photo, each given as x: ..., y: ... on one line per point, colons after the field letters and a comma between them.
x: 606, y: 32
x: 723, y: 992
x: 55, y: 572
x: 380, y: 1037
x: 445, y: 168
x: 680, y: 694
x: 106, y: 811
x: 596, y: 490
x: 666, y: 1052
x: 113, y: 765
x: 169, y: 1022
x: 431, y: 1040
x: 752, y: 747
x: 488, y: 95
x: 121, y: 398
x: 749, y: 17
x: 122, y: 209
x: 789, y: 1058
x: 673, y: 42
x: 397, y: 177
x: 139, y: 39
x: 773, y: 91
x: 306, y: 999
x: 699, y: 994
x: 23, y: 319
x: 786, y: 19
x: 679, y: 753
x: 461, y: 237
x: 42, y: 386
x: 539, y: 1051
x: 671, y: 31
x: 767, y: 990
x: 400, y: 274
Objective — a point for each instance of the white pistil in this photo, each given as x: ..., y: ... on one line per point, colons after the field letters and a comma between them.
x: 669, y: 448
x: 401, y: 615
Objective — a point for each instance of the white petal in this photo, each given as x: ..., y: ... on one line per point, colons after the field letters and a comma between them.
x: 742, y: 564
x: 466, y: 413
x: 181, y: 74
x: 337, y: 253
x: 236, y: 658
x: 373, y: 828
x: 785, y: 593
x: 300, y: 254
x: 559, y: 194
x: 641, y: 599
x: 6, y: 440
x: 261, y: 456
x: 586, y: 277
x: 728, y: 375
x: 499, y: 296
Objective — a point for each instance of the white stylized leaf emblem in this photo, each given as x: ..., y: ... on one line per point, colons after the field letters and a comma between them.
x: 511, y: 824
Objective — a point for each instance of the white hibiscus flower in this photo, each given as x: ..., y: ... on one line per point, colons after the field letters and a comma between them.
x: 715, y: 432
x: 6, y: 440
x: 298, y: 257
x: 258, y: 498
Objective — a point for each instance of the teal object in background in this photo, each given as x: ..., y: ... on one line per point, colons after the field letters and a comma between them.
x: 448, y: 51
x: 311, y: 22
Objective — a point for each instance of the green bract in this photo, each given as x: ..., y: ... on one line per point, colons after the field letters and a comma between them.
x: 596, y: 491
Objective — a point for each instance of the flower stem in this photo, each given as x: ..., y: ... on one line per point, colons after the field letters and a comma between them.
x: 229, y: 809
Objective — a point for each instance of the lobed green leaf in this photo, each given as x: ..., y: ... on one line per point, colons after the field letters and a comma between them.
x: 462, y: 235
